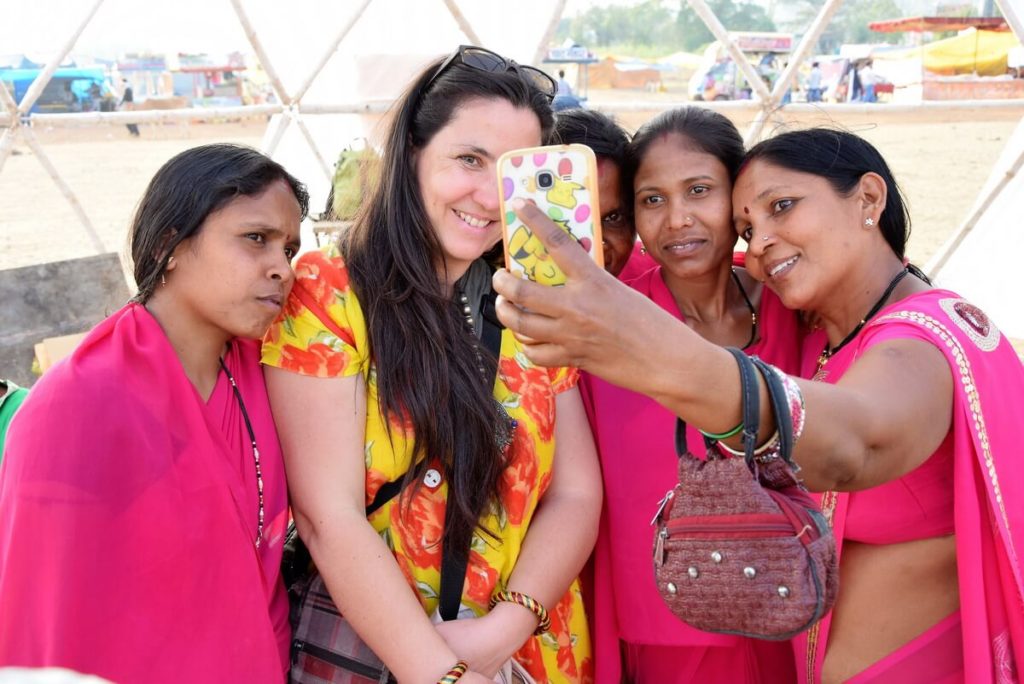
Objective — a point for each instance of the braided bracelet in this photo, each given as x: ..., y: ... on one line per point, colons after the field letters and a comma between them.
x: 455, y: 674
x: 531, y: 604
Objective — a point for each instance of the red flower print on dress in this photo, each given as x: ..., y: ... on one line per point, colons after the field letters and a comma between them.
x: 318, y: 360
x: 533, y: 386
x: 326, y: 278
x: 481, y: 579
x: 532, y: 659
x: 420, y: 526
x: 519, y: 480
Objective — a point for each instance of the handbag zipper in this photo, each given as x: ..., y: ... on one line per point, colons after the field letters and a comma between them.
x: 755, y: 528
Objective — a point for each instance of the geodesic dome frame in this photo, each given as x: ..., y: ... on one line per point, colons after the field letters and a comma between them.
x: 17, y: 120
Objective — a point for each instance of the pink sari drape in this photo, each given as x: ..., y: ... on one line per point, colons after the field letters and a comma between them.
x: 128, y: 515
x: 988, y: 484
x: 635, y: 439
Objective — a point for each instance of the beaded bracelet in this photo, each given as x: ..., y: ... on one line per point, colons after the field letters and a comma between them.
x: 724, y: 435
x: 455, y: 674
x: 528, y: 602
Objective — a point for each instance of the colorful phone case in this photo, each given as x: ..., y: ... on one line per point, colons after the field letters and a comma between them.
x: 562, y: 181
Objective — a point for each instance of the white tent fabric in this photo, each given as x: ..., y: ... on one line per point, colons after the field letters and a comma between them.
x: 985, y: 266
x: 391, y: 42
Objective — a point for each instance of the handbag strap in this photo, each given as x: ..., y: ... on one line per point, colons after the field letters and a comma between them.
x: 751, y: 402
x: 780, y: 404
x: 454, y: 561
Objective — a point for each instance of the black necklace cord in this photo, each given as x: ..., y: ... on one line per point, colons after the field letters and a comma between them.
x: 750, y: 306
x: 828, y: 352
x: 255, y: 451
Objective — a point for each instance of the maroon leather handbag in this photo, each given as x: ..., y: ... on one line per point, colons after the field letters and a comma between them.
x: 741, y: 548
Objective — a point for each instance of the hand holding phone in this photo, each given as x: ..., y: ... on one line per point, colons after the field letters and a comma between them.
x: 561, y: 180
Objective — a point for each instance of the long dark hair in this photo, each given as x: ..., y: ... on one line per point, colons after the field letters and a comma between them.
x: 187, y: 189
x: 428, y: 375
x: 841, y: 158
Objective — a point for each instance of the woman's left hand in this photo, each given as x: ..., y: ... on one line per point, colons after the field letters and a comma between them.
x: 487, y: 642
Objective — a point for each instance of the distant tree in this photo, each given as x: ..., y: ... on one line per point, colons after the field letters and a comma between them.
x: 662, y: 26
x: 735, y: 16
x: 849, y: 25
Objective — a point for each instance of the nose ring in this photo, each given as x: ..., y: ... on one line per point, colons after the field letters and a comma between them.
x: 764, y: 238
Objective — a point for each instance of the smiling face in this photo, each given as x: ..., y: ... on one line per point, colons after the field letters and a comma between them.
x: 803, y: 237
x: 683, y: 208
x: 458, y: 181
x: 232, y: 277
x: 617, y: 231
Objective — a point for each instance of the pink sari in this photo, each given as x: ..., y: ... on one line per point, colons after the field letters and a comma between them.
x: 987, y: 635
x: 128, y: 514
x: 635, y: 439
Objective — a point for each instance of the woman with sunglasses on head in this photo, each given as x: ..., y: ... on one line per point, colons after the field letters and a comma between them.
x: 913, y: 419
x: 382, y: 340
x: 679, y: 169
x: 142, y: 491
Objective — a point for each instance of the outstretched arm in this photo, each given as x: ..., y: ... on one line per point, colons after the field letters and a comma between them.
x: 884, y: 418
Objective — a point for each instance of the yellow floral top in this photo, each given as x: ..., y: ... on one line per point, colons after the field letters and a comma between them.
x: 298, y: 341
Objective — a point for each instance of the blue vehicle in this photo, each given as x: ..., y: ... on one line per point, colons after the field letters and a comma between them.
x: 71, y: 89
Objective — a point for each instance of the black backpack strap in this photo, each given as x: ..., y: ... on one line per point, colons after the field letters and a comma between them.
x: 454, y: 562
x: 490, y: 335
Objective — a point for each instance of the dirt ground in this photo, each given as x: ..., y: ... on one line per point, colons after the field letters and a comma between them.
x: 941, y: 158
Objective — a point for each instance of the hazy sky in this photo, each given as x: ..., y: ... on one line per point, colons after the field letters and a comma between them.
x: 42, y: 26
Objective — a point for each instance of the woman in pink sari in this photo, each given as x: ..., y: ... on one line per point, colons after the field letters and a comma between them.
x: 680, y: 167
x: 143, y: 503
x: 913, y: 421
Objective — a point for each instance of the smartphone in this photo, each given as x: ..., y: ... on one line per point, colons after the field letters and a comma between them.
x: 561, y: 180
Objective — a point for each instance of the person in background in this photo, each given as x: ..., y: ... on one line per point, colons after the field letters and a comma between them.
x: 680, y: 166
x: 565, y: 98
x: 564, y: 89
x: 814, y: 83
x: 383, y: 341
x: 867, y: 81
x: 608, y: 140
x: 127, y: 102
x: 142, y: 493
x: 914, y: 416
x: 11, y: 398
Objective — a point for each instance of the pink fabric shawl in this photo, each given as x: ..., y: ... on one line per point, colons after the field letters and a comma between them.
x: 635, y: 440
x: 988, y: 480
x: 128, y: 517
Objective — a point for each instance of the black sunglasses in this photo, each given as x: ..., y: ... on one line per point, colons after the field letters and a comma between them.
x: 493, y: 63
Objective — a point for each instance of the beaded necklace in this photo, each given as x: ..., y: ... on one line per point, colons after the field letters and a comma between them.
x: 828, y: 352
x: 505, y: 428
x: 255, y: 451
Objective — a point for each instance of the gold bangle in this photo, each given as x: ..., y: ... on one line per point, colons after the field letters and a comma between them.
x: 528, y: 602
x: 455, y: 674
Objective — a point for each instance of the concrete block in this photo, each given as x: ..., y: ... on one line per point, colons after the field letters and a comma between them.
x: 53, y: 299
